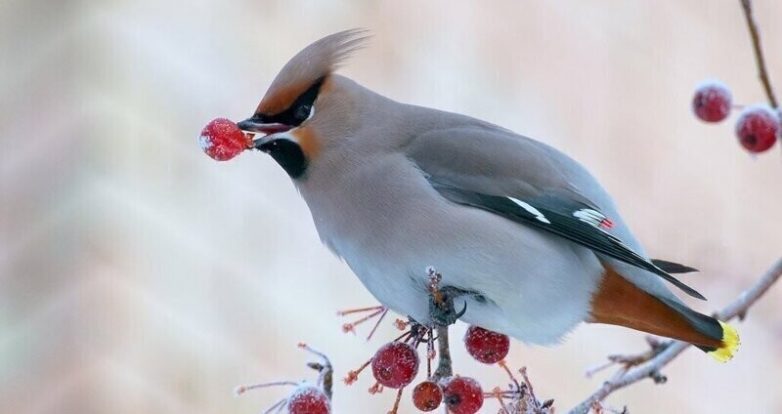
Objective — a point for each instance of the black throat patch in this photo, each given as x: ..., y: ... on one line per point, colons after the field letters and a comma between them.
x: 288, y: 154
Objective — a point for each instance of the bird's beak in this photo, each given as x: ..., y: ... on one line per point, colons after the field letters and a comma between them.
x: 256, y: 125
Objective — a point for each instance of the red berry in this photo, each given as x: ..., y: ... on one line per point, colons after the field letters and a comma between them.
x: 395, y: 365
x: 757, y: 128
x: 427, y: 396
x: 712, y: 102
x: 308, y: 399
x: 486, y: 346
x: 222, y: 140
x: 462, y: 395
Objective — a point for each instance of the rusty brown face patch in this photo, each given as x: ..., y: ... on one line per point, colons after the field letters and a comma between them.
x: 308, y: 141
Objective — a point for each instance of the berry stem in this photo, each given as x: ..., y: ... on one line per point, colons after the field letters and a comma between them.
x: 512, y: 377
x: 759, y: 58
x: 429, y: 354
x: 499, y: 395
x: 244, y: 388
x: 315, y: 352
x: 278, y: 406
x: 398, y: 399
x: 353, y: 375
x: 359, y: 310
x: 531, y: 391
x: 350, y: 327
x: 324, y: 368
x: 380, y: 319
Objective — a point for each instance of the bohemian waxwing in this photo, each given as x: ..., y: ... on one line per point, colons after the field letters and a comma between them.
x: 522, y: 234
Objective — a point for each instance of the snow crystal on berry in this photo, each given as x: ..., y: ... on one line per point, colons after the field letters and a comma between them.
x: 222, y: 139
x: 395, y: 365
x: 758, y: 128
x: 308, y: 399
x: 712, y: 101
x: 427, y: 396
x: 205, y: 143
x: 462, y: 395
x: 486, y: 346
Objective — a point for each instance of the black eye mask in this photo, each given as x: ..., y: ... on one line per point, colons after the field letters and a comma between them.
x: 298, y: 112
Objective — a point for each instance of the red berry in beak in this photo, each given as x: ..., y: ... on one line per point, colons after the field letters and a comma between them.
x: 712, y: 102
x: 757, y: 128
x: 222, y: 140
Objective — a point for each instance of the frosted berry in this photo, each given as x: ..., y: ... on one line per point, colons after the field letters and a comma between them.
x: 757, y: 128
x: 308, y: 399
x: 222, y: 139
x: 462, y: 395
x: 712, y: 102
x: 427, y: 396
x: 395, y: 365
x: 486, y: 346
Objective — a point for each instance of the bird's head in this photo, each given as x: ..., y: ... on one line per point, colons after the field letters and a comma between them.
x: 305, y: 105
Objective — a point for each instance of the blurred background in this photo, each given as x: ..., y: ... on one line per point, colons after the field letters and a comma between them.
x: 137, y: 275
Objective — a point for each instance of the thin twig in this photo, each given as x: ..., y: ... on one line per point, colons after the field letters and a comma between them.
x: 377, y: 324
x: 673, y: 348
x: 324, y: 368
x: 759, y: 59
x: 397, y: 400
x: 278, y: 406
x: 244, y: 388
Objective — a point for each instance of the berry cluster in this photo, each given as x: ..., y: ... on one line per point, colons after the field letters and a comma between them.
x: 758, y: 126
x: 395, y: 365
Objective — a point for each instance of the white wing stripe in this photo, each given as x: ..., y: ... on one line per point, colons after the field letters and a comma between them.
x: 589, y: 216
x: 532, y: 210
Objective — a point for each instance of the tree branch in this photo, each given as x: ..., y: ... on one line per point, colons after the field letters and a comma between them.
x: 444, y: 364
x: 648, y: 364
x: 650, y: 368
x: 759, y: 59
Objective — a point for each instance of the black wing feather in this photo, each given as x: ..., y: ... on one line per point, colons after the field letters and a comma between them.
x: 673, y: 267
x: 558, y: 219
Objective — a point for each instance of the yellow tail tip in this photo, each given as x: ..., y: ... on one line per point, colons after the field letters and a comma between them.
x: 730, y: 344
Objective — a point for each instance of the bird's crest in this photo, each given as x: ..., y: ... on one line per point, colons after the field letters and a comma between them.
x: 311, y: 64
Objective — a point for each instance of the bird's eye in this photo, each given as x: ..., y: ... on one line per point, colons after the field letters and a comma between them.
x: 302, y: 112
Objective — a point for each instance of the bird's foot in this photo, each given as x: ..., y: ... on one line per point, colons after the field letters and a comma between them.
x: 442, y: 310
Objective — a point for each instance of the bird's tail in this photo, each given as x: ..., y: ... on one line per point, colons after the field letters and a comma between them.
x: 619, y: 302
x: 726, y: 337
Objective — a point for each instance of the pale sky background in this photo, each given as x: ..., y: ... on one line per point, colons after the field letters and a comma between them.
x: 139, y: 276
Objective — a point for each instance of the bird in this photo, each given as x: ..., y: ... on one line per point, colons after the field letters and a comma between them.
x: 527, y: 241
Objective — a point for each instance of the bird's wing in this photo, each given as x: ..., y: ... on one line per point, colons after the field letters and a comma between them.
x: 527, y: 182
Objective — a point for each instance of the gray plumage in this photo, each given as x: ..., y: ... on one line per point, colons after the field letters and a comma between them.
x: 371, y: 170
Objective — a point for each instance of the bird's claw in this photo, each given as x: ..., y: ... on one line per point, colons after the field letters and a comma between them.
x: 442, y: 311
x: 462, y: 312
